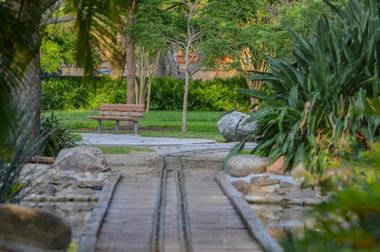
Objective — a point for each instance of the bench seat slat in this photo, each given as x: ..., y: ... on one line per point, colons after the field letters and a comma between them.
x: 115, y: 118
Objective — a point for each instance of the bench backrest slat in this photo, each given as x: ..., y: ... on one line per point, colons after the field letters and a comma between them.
x: 123, y: 107
x: 120, y: 113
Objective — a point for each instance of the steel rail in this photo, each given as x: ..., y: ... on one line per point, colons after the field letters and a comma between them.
x: 183, y: 216
x: 158, y: 227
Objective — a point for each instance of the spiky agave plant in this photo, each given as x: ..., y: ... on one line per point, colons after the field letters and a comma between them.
x: 315, y: 108
x: 17, y: 149
x: 57, y: 136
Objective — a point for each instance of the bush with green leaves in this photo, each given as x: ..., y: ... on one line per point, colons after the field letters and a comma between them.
x: 315, y: 106
x: 210, y: 95
x: 57, y: 137
x: 67, y: 93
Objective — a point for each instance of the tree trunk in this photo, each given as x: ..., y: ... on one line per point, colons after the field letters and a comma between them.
x: 187, y: 84
x: 142, y: 90
x: 130, y: 57
x: 149, y: 94
x: 30, y: 95
x: 143, y: 70
x: 185, y: 99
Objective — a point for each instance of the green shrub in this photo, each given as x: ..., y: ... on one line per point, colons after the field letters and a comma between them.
x: 218, y: 95
x: 67, y: 93
x: 315, y: 109
x: 167, y: 93
x: 107, y: 91
x: 57, y: 137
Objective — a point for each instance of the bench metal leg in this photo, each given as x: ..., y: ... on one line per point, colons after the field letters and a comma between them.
x: 135, y: 127
x: 117, y: 127
x: 99, y: 126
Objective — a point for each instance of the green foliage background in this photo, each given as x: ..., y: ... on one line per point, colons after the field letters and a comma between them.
x: 68, y: 93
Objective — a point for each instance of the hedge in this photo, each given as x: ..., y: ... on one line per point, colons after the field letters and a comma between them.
x: 67, y: 93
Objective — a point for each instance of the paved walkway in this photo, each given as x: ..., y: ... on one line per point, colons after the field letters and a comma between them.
x: 133, y: 140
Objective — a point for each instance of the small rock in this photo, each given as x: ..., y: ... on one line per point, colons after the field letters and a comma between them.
x: 84, y: 191
x: 285, y: 184
x: 25, y: 229
x: 253, y: 189
x: 46, y: 189
x: 62, y: 180
x: 264, y: 181
x: 286, y: 190
x: 278, y: 167
x: 242, y: 186
x: 244, y: 165
x: 81, y: 159
x: 95, y: 185
x: 276, y: 232
x: 269, y: 189
x: 299, y: 171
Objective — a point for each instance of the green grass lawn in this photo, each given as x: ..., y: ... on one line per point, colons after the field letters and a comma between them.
x: 119, y: 149
x: 155, y: 123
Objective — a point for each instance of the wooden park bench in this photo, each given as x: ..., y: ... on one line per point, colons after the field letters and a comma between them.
x: 119, y: 112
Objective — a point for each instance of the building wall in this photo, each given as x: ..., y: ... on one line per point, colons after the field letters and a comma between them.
x: 203, y: 74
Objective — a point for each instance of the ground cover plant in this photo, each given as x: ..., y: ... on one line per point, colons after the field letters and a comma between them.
x: 314, y: 108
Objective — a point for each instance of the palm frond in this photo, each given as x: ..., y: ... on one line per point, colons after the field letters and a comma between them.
x: 96, y: 27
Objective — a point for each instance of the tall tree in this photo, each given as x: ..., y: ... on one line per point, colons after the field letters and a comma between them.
x: 130, y: 52
x: 186, y: 39
x: 246, y: 32
x: 243, y: 32
x: 151, y: 29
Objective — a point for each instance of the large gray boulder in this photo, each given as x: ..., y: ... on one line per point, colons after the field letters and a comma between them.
x: 27, y: 230
x: 81, y: 159
x: 233, y: 126
x: 244, y: 165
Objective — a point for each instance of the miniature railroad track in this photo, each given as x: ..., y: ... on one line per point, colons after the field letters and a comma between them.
x: 158, y: 229
x: 178, y: 211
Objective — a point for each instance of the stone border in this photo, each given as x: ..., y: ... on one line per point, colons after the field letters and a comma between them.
x: 65, y: 199
x: 253, y: 199
x: 253, y: 223
x: 87, y: 241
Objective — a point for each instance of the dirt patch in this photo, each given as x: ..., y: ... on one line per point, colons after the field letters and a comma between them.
x: 146, y: 163
x: 149, y: 163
